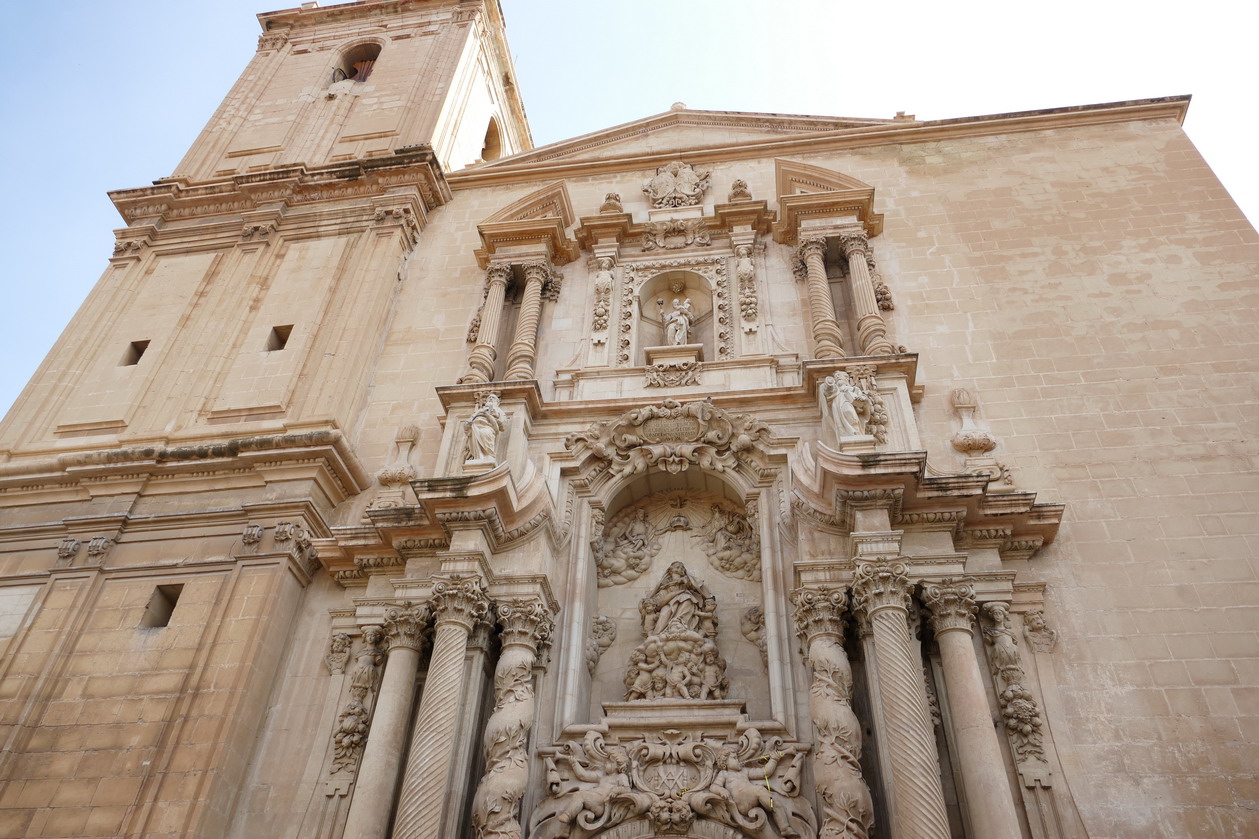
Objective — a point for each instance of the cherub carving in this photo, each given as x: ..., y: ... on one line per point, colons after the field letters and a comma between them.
x: 744, y: 791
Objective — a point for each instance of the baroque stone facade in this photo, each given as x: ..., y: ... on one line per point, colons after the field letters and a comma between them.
x: 722, y: 475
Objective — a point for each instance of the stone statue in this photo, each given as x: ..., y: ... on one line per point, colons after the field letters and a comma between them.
x: 481, y: 431
x: 602, y: 788
x: 678, y: 658
x: 602, y: 634
x: 731, y: 544
x: 735, y: 787
x: 612, y: 203
x: 676, y: 184
x: 739, y: 191
x: 677, y: 324
x: 1037, y: 631
x: 363, y: 677
x: 847, y: 403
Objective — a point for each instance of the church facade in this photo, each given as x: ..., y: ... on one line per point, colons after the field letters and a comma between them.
x: 722, y: 475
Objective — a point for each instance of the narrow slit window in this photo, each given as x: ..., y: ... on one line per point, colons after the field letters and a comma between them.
x: 279, y: 337
x: 134, y: 351
x: 161, y: 605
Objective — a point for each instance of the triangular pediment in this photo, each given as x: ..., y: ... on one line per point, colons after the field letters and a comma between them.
x: 793, y: 178
x: 551, y: 201
x: 676, y: 131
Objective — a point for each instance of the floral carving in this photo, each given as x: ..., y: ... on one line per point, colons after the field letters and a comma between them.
x: 673, y: 234
x: 354, y: 721
x: 676, y: 184
x: 880, y: 584
x: 745, y: 277
x: 678, y: 658
x: 459, y: 600
x: 405, y: 625
x: 603, y: 281
x: 672, y: 374
x: 951, y: 604
x: 847, y: 810
x: 671, y: 437
x: 602, y: 634
x: 673, y: 779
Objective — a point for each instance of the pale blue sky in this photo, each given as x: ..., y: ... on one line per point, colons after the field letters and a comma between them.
x: 102, y: 96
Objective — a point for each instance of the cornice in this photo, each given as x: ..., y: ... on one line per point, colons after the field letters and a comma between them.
x: 883, y: 133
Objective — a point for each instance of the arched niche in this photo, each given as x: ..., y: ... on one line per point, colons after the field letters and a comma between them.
x: 698, y: 518
x: 656, y: 298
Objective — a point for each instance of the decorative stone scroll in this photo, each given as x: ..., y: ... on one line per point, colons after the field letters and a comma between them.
x: 670, y: 780
x: 674, y: 234
x: 672, y: 374
x: 847, y: 810
x: 678, y: 658
x: 676, y: 184
x: 671, y: 437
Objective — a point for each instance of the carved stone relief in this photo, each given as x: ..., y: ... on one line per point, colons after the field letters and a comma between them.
x: 673, y: 779
x: 612, y: 203
x: 602, y: 634
x: 745, y: 277
x: 847, y: 406
x: 354, y: 721
x: 672, y: 374
x: 739, y: 191
x: 678, y: 657
x: 1023, y: 723
x: 603, y: 282
x: 671, y: 437
x: 481, y: 431
x: 863, y: 375
x: 1037, y: 632
x: 752, y: 625
x: 338, y: 653
x: 676, y: 184
x: 674, y: 234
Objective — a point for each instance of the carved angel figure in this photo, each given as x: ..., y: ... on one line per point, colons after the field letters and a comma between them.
x: 848, y: 404
x: 603, y: 787
x: 744, y: 790
x: 731, y: 544
x: 481, y: 431
x: 677, y: 323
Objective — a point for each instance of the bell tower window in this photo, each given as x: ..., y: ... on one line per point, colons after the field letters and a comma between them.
x: 357, y: 63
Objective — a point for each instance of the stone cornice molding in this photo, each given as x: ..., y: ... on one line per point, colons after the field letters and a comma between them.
x: 951, y: 605
x: 547, y: 161
x: 880, y: 584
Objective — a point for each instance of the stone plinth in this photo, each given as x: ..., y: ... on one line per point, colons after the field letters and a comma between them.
x: 675, y: 355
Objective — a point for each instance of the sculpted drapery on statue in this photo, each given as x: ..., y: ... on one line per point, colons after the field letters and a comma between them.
x: 678, y: 658
x: 482, y: 429
x: 677, y: 323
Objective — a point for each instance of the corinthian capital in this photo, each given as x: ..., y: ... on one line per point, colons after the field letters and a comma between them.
x: 880, y: 584
x: 808, y: 247
x: 459, y: 600
x: 405, y: 625
x: 525, y: 621
x: 540, y: 271
x: 818, y: 611
x: 952, y: 605
x: 854, y: 244
x: 498, y: 273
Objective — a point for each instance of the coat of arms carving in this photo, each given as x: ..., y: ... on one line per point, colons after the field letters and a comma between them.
x: 676, y: 184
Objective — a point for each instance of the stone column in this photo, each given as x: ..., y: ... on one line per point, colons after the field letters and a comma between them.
x: 871, y: 328
x: 827, y: 339
x: 382, y: 757
x: 481, y: 360
x: 458, y: 603
x: 988, y: 796
x: 526, y: 624
x: 524, y: 347
x: 847, y: 812
x: 916, y: 800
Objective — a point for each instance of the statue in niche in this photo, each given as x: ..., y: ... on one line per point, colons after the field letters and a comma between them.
x: 481, y: 431
x: 627, y: 550
x: 731, y: 544
x: 677, y: 323
x: 676, y: 184
x: 848, y: 404
x: 678, y: 658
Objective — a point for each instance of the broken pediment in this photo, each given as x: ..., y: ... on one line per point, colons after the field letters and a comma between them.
x: 539, y: 219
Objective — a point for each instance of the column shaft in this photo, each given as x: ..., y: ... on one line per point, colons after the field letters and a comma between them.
x: 427, y: 795
x: 871, y: 328
x: 382, y: 756
x: 881, y: 592
x: 827, y: 339
x: 988, y: 796
x: 481, y: 360
x: 524, y: 346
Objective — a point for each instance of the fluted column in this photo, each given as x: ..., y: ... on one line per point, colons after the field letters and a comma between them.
x: 828, y: 341
x: 382, y: 757
x: 481, y: 360
x: 524, y: 347
x: 916, y: 800
x: 458, y: 603
x: 526, y: 624
x: 871, y: 328
x: 989, y: 800
x: 847, y: 812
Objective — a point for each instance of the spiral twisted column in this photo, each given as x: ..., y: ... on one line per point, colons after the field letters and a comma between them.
x: 377, y: 781
x: 916, y: 801
x: 847, y: 812
x: 481, y: 359
x: 524, y: 346
x: 526, y: 625
x: 458, y: 604
x: 828, y: 341
x: 871, y: 328
x: 988, y: 796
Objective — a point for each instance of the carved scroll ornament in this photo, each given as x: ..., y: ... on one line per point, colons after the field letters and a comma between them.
x: 671, y: 437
